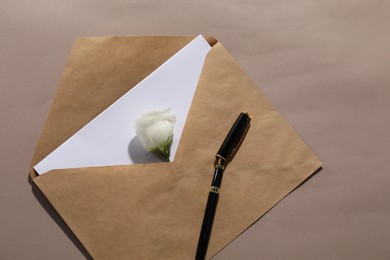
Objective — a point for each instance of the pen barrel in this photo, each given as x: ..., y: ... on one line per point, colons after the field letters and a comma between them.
x: 207, y: 225
x: 217, y: 177
x: 209, y: 214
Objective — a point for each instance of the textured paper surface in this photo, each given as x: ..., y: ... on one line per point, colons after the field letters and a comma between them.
x: 154, y: 211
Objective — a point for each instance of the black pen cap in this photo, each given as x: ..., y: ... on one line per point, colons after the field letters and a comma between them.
x: 234, y: 137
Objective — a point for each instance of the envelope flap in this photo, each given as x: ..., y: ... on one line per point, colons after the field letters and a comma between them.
x: 144, y: 211
x: 223, y: 91
x: 102, y: 69
x: 114, y: 211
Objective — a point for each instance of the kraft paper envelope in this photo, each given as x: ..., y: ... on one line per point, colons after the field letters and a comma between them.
x: 155, y: 210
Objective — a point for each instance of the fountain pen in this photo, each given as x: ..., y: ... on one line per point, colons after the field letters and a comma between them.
x: 224, y: 155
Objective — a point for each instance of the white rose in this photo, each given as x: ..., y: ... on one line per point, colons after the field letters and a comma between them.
x: 155, y: 131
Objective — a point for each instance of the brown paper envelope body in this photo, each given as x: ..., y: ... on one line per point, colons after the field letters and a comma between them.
x: 155, y: 211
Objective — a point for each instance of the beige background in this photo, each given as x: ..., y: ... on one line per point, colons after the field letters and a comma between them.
x: 323, y: 64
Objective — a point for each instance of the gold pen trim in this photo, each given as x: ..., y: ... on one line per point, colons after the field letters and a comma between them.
x: 214, y: 189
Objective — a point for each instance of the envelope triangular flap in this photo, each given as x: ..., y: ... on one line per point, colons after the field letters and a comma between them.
x: 155, y: 210
x: 98, y: 72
